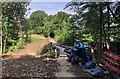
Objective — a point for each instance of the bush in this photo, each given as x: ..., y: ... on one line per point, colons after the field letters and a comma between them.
x: 11, y: 42
x: 45, y: 49
x: 50, y: 54
x: 21, y: 44
x: 12, y: 48
x: 46, y: 33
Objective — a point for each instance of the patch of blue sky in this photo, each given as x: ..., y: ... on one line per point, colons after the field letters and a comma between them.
x: 50, y: 8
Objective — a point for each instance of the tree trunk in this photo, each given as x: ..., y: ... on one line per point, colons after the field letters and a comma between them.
x: 108, y: 21
x: 1, y: 37
x: 20, y: 34
x: 101, y: 25
x: 4, y: 37
x: 4, y: 43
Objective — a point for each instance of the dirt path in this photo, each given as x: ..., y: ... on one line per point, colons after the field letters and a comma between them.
x: 64, y: 68
x: 68, y: 70
x: 33, y: 48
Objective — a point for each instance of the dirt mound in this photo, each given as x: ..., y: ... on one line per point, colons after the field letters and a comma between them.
x: 33, y: 49
x: 29, y: 66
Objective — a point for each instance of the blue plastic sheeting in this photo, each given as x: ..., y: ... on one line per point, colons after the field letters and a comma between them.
x: 82, y: 45
x: 90, y: 65
x: 79, y: 52
x: 97, y: 73
x: 79, y: 45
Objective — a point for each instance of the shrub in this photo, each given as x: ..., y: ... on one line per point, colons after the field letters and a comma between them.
x: 45, y: 49
x: 50, y: 54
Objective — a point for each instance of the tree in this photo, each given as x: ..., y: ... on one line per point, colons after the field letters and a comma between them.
x: 13, y: 23
x: 36, y: 21
x: 87, y: 14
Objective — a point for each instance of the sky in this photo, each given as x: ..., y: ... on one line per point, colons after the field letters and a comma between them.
x: 50, y: 8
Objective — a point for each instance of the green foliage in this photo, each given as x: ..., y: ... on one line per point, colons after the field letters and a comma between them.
x: 58, y: 23
x: 87, y: 17
x: 12, y: 48
x: 36, y: 21
x: 14, y: 25
x: 50, y: 54
x: 11, y: 42
x: 21, y: 44
x: 45, y: 49
x: 46, y: 33
x: 64, y: 36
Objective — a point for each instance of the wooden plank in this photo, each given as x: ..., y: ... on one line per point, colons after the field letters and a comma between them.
x: 113, y: 62
x: 110, y: 66
x: 116, y: 57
